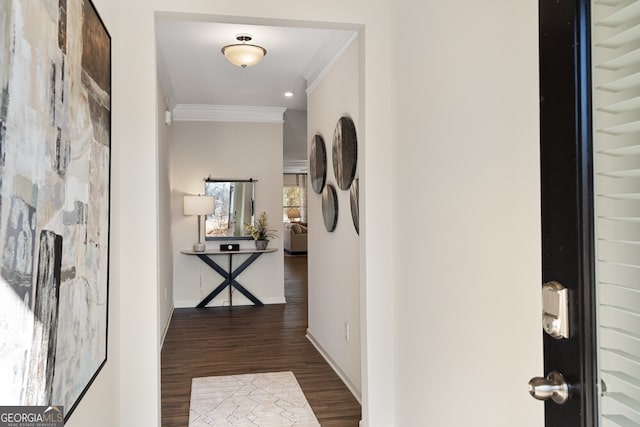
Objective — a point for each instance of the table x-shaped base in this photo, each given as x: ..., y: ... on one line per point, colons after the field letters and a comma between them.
x: 229, y: 279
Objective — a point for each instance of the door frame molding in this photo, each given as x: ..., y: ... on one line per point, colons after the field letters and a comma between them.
x: 566, y: 158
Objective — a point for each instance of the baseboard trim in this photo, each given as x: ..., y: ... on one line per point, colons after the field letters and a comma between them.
x: 237, y: 301
x: 166, y: 327
x: 334, y: 365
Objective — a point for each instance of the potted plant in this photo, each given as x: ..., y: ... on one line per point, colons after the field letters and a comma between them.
x: 261, y: 232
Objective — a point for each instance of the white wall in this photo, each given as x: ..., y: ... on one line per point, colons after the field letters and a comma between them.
x: 137, y: 203
x: 134, y: 392
x: 465, y: 117
x: 226, y: 151
x: 334, y: 258
x: 130, y: 385
x: 295, y: 135
x: 165, y: 241
x: 468, y: 267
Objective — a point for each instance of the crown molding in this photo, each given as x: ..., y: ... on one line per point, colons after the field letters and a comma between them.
x: 165, y: 81
x: 228, y: 113
x: 326, y: 58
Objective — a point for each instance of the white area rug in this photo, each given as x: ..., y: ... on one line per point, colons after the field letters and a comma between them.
x: 269, y: 399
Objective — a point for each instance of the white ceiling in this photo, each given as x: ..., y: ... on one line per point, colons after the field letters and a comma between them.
x: 192, y: 69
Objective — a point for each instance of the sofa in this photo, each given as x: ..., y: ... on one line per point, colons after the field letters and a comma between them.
x: 295, y: 238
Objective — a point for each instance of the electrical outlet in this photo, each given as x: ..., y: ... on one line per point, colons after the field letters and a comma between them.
x: 347, y: 332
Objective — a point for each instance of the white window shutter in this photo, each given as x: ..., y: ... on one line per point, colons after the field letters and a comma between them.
x: 616, y: 112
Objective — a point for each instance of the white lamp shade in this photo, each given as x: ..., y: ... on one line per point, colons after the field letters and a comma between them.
x: 198, y: 205
x: 244, y: 55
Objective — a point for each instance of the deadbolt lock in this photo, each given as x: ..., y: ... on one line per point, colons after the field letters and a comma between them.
x: 555, y: 310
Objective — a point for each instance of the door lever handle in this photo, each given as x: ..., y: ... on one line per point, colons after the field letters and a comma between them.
x: 553, y: 387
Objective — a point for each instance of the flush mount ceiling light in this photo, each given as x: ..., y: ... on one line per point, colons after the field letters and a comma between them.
x: 243, y: 54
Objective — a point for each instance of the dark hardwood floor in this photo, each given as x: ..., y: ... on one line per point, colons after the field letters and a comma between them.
x: 219, y: 341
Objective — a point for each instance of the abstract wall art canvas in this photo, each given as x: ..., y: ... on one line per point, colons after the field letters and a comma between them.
x: 55, y: 156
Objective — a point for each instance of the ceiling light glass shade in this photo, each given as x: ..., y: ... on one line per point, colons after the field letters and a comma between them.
x: 244, y: 55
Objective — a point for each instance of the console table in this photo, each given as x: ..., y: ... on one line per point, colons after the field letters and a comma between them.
x: 230, y: 274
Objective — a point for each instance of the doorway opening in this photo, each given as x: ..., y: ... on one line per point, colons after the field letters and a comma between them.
x: 217, y: 133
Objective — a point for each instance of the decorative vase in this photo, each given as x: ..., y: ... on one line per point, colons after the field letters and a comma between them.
x: 261, y: 244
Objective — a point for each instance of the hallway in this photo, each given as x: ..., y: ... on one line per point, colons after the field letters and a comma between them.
x: 218, y: 341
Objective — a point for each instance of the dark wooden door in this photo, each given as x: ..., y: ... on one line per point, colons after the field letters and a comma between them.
x: 567, y: 201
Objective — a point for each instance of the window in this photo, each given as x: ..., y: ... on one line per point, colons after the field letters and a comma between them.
x: 294, y: 198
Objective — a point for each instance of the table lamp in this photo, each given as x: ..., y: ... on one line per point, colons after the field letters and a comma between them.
x: 198, y: 205
x: 293, y: 214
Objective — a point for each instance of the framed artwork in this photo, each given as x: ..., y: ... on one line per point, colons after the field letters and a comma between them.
x: 345, y: 152
x: 318, y: 163
x: 330, y: 207
x: 354, y: 197
x: 55, y: 157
